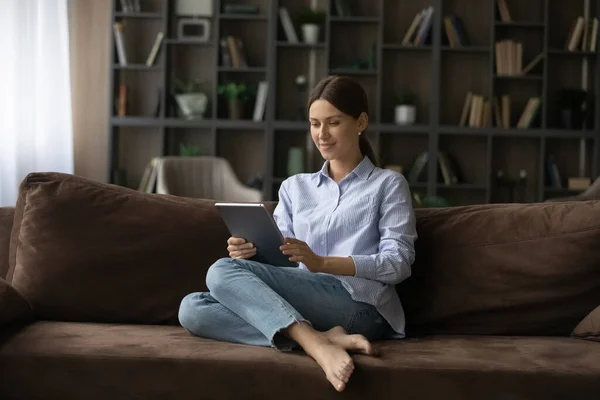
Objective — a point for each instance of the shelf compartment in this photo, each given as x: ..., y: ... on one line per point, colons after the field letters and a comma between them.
x: 188, y: 42
x: 301, y: 45
x: 354, y: 19
x: 400, y: 129
x: 577, y: 53
x: 187, y: 123
x: 467, y: 49
x: 351, y: 71
x: 244, y: 17
x: 136, y: 121
x: 520, y: 24
x: 138, y: 67
x: 401, y: 47
x: 139, y: 15
x: 257, y: 70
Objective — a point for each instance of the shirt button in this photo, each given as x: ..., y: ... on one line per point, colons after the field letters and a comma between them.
x: 322, y: 242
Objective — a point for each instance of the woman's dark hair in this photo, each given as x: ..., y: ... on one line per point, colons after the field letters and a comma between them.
x: 348, y: 96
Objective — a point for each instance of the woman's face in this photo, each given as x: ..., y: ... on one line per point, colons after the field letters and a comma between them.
x: 335, y: 134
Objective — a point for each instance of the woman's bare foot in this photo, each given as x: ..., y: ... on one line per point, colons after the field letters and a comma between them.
x: 334, y: 360
x: 358, y: 343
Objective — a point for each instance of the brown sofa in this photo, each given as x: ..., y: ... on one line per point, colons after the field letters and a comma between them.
x: 500, y: 304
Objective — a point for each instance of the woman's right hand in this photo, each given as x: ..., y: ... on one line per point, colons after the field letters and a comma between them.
x: 238, y: 248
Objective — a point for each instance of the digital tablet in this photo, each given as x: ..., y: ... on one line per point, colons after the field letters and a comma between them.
x: 254, y: 223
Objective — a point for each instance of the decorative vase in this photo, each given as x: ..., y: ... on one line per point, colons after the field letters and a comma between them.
x: 405, y: 115
x: 295, y: 164
x: 310, y: 33
x: 192, y: 105
x: 571, y: 118
x: 236, y: 109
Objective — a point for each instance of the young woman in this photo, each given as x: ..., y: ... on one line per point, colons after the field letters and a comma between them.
x: 351, y: 227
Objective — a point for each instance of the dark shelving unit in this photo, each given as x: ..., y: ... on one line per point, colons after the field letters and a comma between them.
x: 439, y: 76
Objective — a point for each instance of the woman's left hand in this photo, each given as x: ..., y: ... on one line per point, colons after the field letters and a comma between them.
x: 300, y: 252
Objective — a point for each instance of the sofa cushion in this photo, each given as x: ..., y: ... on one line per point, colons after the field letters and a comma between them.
x: 589, y: 327
x: 13, y: 307
x: 7, y: 215
x: 106, y: 361
x: 511, y: 269
x: 88, y: 251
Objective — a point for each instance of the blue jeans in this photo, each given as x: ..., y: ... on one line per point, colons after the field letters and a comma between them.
x: 251, y: 303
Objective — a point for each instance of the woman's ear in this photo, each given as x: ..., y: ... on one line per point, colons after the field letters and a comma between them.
x: 363, y: 122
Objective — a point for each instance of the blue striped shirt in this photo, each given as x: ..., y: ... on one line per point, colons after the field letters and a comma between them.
x: 367, y: 216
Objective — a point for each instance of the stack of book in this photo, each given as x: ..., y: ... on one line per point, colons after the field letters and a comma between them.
x: 583, y: 35
x: 509, y: 59
x: 475, y: 112
x: 420, y: 29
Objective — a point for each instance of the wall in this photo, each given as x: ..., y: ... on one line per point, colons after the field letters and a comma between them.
x: 90, y: 51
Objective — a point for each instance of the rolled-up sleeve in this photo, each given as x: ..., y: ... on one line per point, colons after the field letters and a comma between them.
x: 397, y: 229
x: 283, y: 212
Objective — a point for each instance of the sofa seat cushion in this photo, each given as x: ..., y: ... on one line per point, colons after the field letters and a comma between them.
x: 100, y: 361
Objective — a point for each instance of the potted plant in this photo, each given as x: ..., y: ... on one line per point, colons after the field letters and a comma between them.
x: 190, y: 97
x: 188, y: 151
x: 571, y: 106
x: 310, y: 21
x: 236, y: 94
x: 405, y: 111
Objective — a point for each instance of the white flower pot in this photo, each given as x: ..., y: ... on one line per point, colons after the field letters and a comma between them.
x: 192, y: 105
x: 405, y: 115
x: 310, y: 33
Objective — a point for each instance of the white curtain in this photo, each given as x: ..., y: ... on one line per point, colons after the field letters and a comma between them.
x: 36, y: 133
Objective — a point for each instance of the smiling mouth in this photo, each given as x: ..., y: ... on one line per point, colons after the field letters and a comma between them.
x: 326, y: 144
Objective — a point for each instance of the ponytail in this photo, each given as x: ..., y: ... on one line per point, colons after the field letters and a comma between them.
x: 366, y: 148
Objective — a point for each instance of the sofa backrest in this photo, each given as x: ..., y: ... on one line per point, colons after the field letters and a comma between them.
x: 514, y: 269
x: 102, y: 253
x: 6, y: 222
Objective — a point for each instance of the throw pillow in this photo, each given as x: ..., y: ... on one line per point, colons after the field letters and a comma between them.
x: 88, y: 251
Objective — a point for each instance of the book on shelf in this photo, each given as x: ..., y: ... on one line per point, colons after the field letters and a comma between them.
x: 155, y: 48
x: 583, y: 35
x: 553, y: 178
x: 288, y: 26
x: 419, y: 30
x: 456, y: 33
x: 501, y: 110
x: 148, y: 181
x: 261, y: 101
x: 449, y: 171
x: 509, y: 58
x: 505, y: 111
x: 476, y: 111
x: 119, y: 32
x: 122, y: 101
x: 237, y: 52
x: 418, y: 168
x: 503, y: 11
x: 128, y: 6
x: 532, y: 64
x: 529, y: 112
x: 342, y: 8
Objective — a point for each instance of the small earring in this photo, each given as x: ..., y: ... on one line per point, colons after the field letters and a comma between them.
x: 359, y: 133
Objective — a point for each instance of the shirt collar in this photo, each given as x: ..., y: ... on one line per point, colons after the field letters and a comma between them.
x: 363, y: 170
